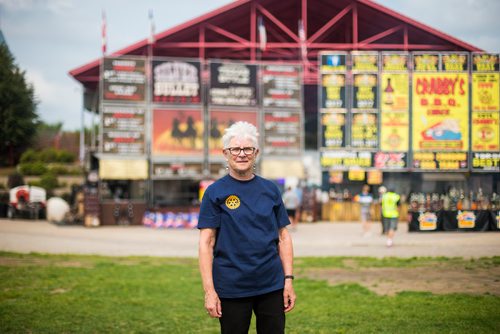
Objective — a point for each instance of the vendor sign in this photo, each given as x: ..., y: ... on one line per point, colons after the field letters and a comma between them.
x: 427, y: 221
x: 124, y: 79
x: 176, y: 81
x: 485, y: 92
x: 344, y: 160
x: 440, y: 112
x: 177, y: 132
x: 333, y: 130
x: 485, y: 131
x: 440, y: 161
x: 466, y: 219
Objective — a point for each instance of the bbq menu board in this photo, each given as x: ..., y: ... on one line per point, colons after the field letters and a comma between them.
x: 123, y: 130
x: 282, y: 86
x: 485, y: 118
x: 233, y: 84
x: 124, y: 79
x: 333, y: 100
x: 282, y: 133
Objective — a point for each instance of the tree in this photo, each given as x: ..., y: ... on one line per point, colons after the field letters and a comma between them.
x: 18, y: 117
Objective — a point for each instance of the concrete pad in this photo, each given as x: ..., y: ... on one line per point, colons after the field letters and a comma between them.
x: 310, y: 239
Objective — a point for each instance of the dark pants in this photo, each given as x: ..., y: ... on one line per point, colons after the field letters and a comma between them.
x: 269, y: 313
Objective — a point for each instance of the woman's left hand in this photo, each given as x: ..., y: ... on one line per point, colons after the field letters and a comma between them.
x: 289, y: 296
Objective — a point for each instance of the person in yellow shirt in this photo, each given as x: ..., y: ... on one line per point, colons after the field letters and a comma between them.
x: 390, y: 214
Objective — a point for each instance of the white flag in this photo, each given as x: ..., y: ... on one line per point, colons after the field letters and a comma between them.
x: 152, y: 27
x: 302, y: 37
x: 262, y: 33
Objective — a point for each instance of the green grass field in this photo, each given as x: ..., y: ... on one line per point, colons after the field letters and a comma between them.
x: 91, y: 294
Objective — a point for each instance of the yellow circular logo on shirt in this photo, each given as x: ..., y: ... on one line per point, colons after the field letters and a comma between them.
x: 232, y: 202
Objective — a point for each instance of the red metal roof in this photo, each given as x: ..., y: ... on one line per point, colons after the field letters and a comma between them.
x: 231, y: 32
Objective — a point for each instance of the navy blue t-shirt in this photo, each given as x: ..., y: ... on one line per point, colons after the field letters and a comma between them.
x: 247, y: 216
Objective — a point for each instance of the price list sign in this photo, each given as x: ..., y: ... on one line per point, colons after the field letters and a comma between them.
x: 123, y: 130
x: 124, y: 80
x: 333, y: 98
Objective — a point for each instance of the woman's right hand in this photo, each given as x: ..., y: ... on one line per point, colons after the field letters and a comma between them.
x: 213, y: 305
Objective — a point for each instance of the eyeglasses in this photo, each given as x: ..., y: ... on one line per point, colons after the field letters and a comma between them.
x: 237, y: 150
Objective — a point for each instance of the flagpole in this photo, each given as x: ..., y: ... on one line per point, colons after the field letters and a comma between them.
x: 149, y: 101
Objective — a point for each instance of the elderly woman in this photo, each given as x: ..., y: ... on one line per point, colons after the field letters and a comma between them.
x: 245, y: 250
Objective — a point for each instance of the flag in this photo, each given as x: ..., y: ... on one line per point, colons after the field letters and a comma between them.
x: 262, y: 33
x: 103, y: 33
x: 302, y: 38
x: 152, y: 27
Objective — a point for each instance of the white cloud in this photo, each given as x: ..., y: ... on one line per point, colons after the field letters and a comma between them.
x: 57, y: 101
x: 473, y: 21
x: 55, y: 6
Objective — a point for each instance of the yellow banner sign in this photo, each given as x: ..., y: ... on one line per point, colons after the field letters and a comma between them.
x: 374, y: 177
x: 395, y: 92
x: 394, y: 131
x: 485, y: 92
x: 485, y: 131
x: 440, y: 112
x: 356, y: 175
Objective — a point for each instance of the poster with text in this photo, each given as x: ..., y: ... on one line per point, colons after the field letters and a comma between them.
x: 233, y: 84
x: 219, y: 120
x: 395, y: 131
x: 282, y: 86
x: 177, y: 133
x: 455, y: 62
x: 485, y: 131
x: 364, y: 62
x: 485, y: 92
x: 485, y: 62
x: 333, y: 62
x: 333, y: 130
x: 432, y: 161
x: 333, y: 92
x: 123, y: 142
x: 176, y: 82
x: 123, y: 129
x: 364, y: 130
x: 395, y: 62
x: 365, y: 90
x: 486, y: 161
x: 440, y: 112
x: 390, y: 160
x: 426, y: 62
x: 282, y: 133
x: 345, y: 160
x: 124, y: 79
x: 394, y: 92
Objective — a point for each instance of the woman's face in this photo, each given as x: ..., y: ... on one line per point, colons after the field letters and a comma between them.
x: 241, y: 163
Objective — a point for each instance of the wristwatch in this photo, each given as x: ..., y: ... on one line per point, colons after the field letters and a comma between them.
x: 289, y: 277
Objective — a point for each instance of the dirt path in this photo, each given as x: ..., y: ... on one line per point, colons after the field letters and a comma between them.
x: 442, y: 278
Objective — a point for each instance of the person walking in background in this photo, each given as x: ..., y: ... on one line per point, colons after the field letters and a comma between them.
x: 365, y: 200
x: 245, y: 250
x: 292, y: 203
x: 390, y: 214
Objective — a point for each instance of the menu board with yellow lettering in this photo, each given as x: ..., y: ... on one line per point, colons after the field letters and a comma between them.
x: 426, y: 62
x: 394, y: 111
x: 333, y: 129
x: 485, y: 117
x: 440, y: 112
x: 455, y: 62
x: 333, y: 100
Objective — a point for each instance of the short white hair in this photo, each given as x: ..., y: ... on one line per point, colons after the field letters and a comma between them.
x: 242, y: 130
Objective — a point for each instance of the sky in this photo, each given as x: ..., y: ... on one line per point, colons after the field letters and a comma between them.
x: 48, y: 38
